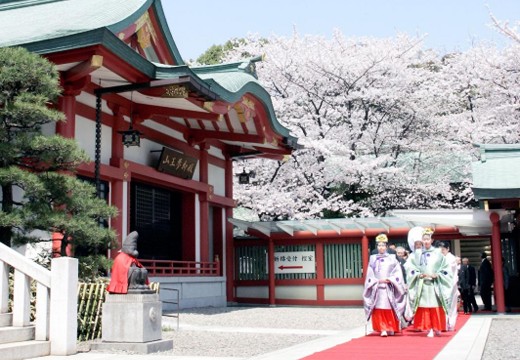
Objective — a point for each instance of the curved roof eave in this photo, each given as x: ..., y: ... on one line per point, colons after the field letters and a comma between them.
x: 103, y: 37
x: 163, y: 26
x: 232, y: 92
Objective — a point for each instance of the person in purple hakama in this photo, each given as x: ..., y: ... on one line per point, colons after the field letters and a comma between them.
x: 384, y: 295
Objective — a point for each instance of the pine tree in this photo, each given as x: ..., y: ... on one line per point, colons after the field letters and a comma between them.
x: 39, y: 189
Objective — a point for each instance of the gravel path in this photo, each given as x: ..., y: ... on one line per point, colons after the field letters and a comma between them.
x: 242, y: 332
x: 502, y: 342
x: 248, y: 331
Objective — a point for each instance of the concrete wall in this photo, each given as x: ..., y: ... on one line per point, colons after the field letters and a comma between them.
x: 193, y: 291
x: 331, y: 292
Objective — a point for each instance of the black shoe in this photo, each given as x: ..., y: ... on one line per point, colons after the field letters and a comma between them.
x: 475, y: 310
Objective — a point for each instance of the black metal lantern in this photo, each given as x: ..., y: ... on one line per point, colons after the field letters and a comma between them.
x: 131, y: 137
x: 243, y: 177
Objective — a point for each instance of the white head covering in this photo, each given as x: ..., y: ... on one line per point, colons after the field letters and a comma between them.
x: 415, y: 234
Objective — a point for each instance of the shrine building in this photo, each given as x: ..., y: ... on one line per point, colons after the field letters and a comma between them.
x: 162, y: 135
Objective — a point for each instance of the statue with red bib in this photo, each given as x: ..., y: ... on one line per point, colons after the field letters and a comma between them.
x: 128, y: 276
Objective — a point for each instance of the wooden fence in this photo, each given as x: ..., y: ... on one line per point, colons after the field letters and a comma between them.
x: 336, y: 279
x: 181, y: 268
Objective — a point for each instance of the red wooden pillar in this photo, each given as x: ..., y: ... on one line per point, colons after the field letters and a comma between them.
x: 229, y: 261
x: 188, y: 227
x: 320, y: 272
x: 116, y: 192
x: 67, y: 105
x: 218, y: 230
x: 118, y: 150
x: 496, y: 248
x: 270, y: 264
x: 364, y: 253
x: 116, y: 198
x: 204, y: 205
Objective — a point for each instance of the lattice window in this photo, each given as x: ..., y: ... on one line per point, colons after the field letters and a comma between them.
x: 343, y: 261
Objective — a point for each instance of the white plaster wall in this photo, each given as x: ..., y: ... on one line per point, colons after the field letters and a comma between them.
x: 261, y: 292
x: 35, y: 250
x: 147, y: 153
x: 86, y: 136
x: 193, y: 291
x: 296, y: 292
x: 216, y: 152
x: 196, y: 173
x: 164, y: 129
x: 217, y: 178
x: 343, y: 292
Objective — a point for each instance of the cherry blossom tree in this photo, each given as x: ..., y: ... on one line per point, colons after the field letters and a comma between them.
x: 384, y: 123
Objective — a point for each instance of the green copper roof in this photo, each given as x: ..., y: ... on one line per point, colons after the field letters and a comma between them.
x: 54, y: 19
x: 48, y: 20
x: 497, y: 174
x: 48, y: 26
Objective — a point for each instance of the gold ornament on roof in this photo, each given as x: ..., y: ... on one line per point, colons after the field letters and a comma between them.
x: 248, y: 103
x: 176, y: 91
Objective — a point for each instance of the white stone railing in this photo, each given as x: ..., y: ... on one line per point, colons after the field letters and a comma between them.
x: 56, y: 297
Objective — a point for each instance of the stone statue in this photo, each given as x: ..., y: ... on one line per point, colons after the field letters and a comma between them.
x: 128, y: 274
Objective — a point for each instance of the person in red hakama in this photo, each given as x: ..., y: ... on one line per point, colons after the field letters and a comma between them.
x: 430, y: 282
x: 384, y: 295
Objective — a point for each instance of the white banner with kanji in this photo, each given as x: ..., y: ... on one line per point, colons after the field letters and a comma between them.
x: 294, y: 262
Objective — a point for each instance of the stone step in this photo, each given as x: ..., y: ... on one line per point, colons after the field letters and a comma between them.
x: 11, y: 334
x: 25, y: 350
x: 6, y: 319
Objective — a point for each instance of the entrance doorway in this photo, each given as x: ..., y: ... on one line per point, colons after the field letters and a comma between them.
x: 156, y: 214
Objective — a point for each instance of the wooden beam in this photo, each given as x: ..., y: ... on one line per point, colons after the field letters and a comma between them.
x: 246, y: 138
x: 83, y: 69
x: 161, y: 110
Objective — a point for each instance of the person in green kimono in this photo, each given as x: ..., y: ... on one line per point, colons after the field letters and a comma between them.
x: 430, y: 282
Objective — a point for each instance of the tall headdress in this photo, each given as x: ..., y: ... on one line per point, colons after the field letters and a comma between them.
x: 415, y: 234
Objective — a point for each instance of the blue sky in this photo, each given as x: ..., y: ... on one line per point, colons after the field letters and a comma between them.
x: 450, y: 25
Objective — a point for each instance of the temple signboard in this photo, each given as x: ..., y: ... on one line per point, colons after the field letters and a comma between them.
x: 176, y: 164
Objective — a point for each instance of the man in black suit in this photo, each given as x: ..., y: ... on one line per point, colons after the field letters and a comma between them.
x: 467, y: 282
x: 485, y: 280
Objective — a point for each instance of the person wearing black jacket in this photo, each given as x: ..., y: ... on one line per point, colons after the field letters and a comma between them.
x: 467, y: 282
x: 485, y: 280
x: 472, y: 285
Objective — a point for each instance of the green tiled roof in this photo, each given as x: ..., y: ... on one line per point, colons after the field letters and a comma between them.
x: 53, y: 19
x: 497, y: 173
x: 48, y: 26
x: 58, y: 19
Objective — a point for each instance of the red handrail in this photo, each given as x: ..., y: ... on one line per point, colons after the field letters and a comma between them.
x: 181, y: 268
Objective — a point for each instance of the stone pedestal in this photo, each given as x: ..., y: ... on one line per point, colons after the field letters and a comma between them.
x: 133, y: 322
